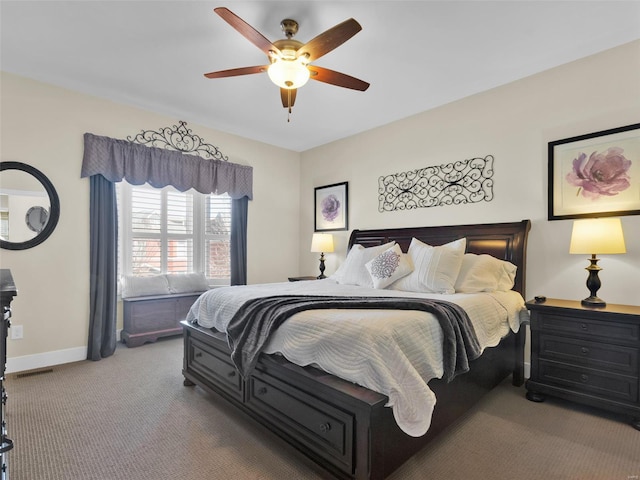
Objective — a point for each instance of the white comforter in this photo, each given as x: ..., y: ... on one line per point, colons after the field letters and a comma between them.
x: 394, y: 352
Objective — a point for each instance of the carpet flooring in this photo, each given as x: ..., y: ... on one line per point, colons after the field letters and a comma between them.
x: 129, y: 417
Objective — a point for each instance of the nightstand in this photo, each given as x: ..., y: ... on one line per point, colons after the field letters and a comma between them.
x: 299, y: 279
x: 586, y: 355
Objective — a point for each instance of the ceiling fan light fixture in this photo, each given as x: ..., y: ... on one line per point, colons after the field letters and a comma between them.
x: 289, y: 59
x: 288, y: 73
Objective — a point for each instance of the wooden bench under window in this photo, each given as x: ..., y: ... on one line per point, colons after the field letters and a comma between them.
x: 145, y: 319
x: 154, y: 306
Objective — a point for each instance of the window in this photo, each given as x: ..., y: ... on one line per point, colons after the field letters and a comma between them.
x: 167, y: 231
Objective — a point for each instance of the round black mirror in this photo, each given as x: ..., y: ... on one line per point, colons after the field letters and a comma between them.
x: 29, y: 206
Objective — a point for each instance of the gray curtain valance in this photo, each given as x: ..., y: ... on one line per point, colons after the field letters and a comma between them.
x: 118, y: 160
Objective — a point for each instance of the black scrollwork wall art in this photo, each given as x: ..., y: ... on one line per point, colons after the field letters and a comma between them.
x: 178, y: 137
x: 466, y: 181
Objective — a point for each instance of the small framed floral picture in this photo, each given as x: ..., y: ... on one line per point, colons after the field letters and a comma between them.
x: 595, y: 175
x: 331, y: 207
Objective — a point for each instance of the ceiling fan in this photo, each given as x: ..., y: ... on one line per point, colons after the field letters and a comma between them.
x: 290, y: 60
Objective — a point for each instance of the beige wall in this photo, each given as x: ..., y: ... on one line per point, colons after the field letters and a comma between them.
x: 513, y: 123
x: 43, y: 126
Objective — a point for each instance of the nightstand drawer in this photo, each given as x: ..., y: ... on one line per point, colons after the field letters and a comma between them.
x: 619, y: 332
x: 601, y: 356
x: 602, y: 384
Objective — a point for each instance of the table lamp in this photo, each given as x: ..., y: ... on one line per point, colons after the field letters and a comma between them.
x: 322, y: 243
x: 596, y: 236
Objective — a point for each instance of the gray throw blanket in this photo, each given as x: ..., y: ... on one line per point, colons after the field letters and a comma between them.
x: 250, y: 328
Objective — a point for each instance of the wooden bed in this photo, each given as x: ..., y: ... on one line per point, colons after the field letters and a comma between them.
x: 341, y: 426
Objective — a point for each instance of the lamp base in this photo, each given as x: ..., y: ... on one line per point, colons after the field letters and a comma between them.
x: 593, y: 302
x: 322, y: 275
x: 593, y: 284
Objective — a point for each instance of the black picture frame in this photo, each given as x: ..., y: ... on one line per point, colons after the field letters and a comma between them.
x: 331, y: 207
x: 595, y: 175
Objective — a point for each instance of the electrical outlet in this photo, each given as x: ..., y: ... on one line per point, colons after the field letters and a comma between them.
x: 16, y: 332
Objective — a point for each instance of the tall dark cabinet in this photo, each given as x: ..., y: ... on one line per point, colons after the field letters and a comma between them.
x: 7, y: 292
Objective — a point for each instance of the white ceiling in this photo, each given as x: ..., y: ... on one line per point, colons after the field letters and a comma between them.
x: 417, y: 55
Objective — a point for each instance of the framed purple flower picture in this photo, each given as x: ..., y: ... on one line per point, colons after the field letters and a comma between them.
x: 331, y: 207
x: 595, y: 175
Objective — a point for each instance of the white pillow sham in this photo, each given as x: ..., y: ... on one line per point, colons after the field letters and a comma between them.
x: 484, y: 273
x: 164, y: 284
x: 187, y: 282
x: 435, y: 269
x: 388, y: 267
x: 133, y: 286
x: 353, y: 271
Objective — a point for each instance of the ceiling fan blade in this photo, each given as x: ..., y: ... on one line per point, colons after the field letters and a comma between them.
x: 247, y: 31
x: 336, y: 78
x: 234, y: 72
x: 288, y: 97
x: 332, y: 38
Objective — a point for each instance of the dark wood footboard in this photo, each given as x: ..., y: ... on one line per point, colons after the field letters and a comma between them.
x: 343, y: 427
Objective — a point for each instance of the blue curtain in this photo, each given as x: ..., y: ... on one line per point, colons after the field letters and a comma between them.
x: 239, y: 209
x: 103, y: 239
x: 107, y: 160
x: 118, y: 160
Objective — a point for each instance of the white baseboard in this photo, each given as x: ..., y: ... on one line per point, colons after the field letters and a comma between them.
x: 47, y: 359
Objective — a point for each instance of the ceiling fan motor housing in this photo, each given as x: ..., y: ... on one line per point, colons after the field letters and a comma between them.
x: 288, y: 47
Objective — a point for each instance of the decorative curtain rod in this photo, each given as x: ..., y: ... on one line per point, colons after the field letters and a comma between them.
x: 180, y: 138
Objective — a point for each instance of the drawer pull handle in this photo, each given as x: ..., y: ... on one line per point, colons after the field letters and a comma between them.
x: 584, y: 350
x: 584, y: 378
x: 231, y: 374
x: 198, y: 355
x: 262, y: 390
x: 325, y: 427
x: 584, y: 326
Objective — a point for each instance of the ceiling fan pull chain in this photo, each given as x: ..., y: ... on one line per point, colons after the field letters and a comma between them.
x: 289, y: 102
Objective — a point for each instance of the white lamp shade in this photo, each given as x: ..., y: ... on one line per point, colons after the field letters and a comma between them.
x: 597, y: 236
x: 322, y: 243
x: 288, y: 74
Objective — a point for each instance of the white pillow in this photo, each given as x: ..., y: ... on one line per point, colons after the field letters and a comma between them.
x: 388, y: 267
x: 338, y: 274
x: 484, y: 273
x: 133, y: 286
x: 354, y: 271
x: 435, y: 269
x: 187, y: 282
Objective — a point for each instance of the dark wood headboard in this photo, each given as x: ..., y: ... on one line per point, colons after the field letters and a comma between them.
x: 506, y: 241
